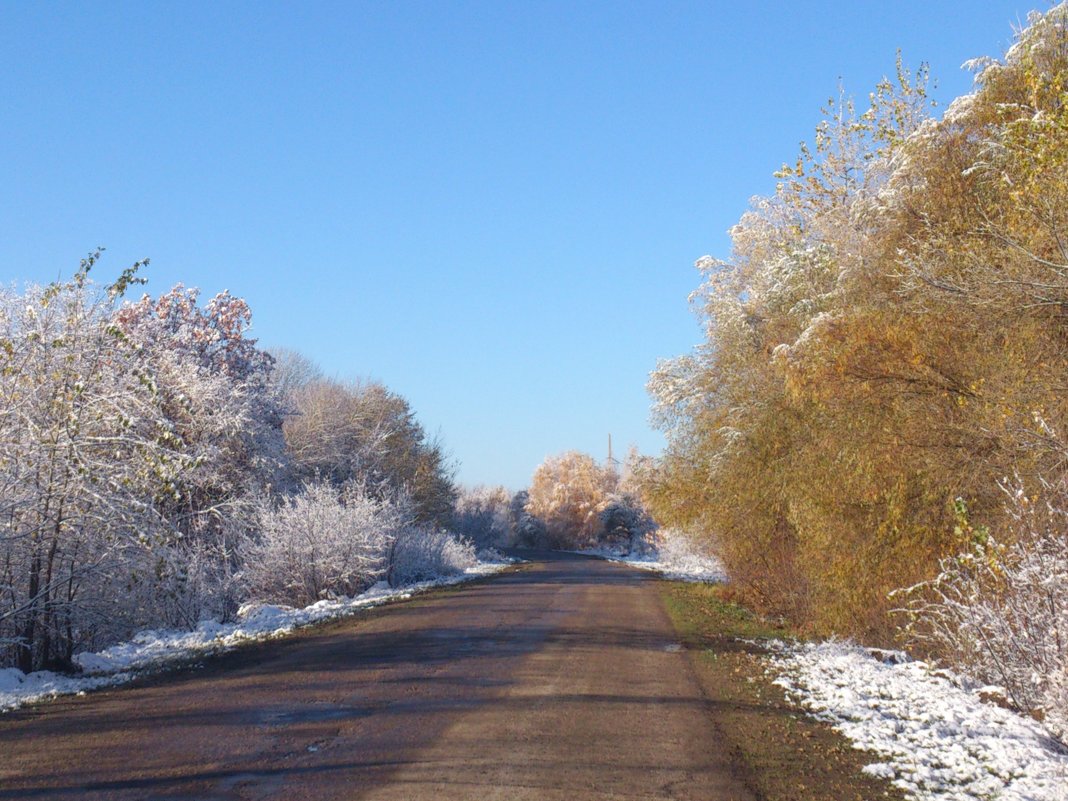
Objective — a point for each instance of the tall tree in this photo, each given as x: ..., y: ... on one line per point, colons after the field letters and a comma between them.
x: 86, y: 455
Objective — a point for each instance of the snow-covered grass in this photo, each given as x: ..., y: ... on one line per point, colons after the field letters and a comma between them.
x: 150, y: 650
x: 938, y: 739
x: 674, y: 557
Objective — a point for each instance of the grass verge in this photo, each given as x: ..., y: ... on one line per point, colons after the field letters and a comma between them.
x: 776, y: 749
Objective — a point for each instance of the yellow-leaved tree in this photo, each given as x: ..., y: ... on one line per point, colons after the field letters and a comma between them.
x: 888, y: 336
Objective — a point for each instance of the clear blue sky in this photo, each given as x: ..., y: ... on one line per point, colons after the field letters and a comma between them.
x: 492, y: 207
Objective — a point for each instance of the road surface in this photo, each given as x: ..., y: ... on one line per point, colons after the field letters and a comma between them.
x: 561, y: 680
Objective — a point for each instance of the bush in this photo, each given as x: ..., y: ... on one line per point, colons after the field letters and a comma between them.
x: 424, y: 554
x: 483, y: 516
x: 318, y: 544
x: 678, y: 552
x: 999, y: 613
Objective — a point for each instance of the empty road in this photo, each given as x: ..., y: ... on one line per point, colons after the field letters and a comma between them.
x: 561, y: 680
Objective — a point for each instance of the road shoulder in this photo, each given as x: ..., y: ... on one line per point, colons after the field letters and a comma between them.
x: 777, y: 750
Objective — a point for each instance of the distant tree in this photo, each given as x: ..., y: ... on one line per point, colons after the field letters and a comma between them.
x: 365, y: 433
x: 483, y: 515
x: 292, y: 371
x: 530, y: 531
x: 568, y: 493
x: 626, y: 524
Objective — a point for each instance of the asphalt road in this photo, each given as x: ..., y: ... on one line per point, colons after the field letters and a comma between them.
x: 561, y: 680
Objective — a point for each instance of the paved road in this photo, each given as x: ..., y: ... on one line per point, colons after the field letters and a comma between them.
x: 561, y: 680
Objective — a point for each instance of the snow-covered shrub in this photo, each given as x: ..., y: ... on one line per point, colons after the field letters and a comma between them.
x: 421, y: 554
x: 483, y: 516
x: 198, y: 580
x: 319, y: 543
x: 999, y: 612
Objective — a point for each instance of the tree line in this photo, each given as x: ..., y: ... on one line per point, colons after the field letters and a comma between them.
x: 157, y: 467
x: 874, y: 433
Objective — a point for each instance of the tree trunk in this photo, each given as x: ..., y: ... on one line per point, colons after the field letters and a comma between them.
x: 29, y: 630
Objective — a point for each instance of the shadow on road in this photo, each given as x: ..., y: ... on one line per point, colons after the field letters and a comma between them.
x: 546, y: 661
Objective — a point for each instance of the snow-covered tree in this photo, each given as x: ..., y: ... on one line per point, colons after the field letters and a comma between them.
x: 87, y: 457
x: 217, y: 392
x: 145, y: 479
x: 887, y: 336
x: 626, y: 524
x: 568, y: 493
x: 483, y: 515
x: 530, y: 530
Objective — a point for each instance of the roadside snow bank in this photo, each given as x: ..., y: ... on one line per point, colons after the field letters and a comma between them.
x: 939, y: 740
x: 673, y: 562
x: 150, y: 649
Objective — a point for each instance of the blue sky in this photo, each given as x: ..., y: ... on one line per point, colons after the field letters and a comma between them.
x: 492, y: 207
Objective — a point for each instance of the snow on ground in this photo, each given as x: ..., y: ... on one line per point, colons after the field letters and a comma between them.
x: 938, y: 740
x: 673, y: 562
x: 152, y: 649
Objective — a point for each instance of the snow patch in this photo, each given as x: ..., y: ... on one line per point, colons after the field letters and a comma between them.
x: 939, y: 740
x: 686, y: 566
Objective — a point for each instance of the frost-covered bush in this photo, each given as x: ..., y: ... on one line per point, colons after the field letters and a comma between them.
x: 198, y: 580
x: 483, y: 515
x: 318, y: 544
x: 421, y: 554
x: 999, y: 612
